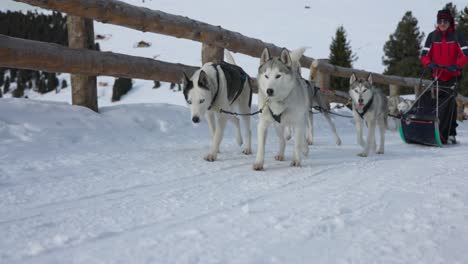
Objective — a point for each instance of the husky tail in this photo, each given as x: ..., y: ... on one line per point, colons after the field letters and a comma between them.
x: 296, y: 57
x: 229, y: 58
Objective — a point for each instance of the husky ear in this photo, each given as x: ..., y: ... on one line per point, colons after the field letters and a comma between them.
x: 265, y: 56
x: 285, y: 57
x: 203, y: 80
x: 185, y: 79
x: 352, y: 79
x: 369, y: 79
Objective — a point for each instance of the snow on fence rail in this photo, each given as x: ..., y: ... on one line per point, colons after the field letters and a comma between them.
x: 214, y: 39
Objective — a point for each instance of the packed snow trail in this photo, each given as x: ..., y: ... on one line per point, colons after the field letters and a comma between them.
x: 129, y: 185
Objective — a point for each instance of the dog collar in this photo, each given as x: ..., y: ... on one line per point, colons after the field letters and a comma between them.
x: 366, y: 108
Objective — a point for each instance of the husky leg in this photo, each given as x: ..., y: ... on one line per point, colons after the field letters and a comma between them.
x: 370, y: 138
x: 333, y: 128
x: 310, y: 128
x: 261, y: 139
x: 287, y: 133
x: 359, y: 125
x: 211, y: 122
x: 299, y: 136
x: 236, y: 122
x: 280, y: 132
x: 248, y: 135
x: 382, y: 137
x: 218, y: 136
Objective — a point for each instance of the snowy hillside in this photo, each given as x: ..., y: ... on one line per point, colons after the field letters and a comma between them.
x: 368, y: 24
x: 129, y: 185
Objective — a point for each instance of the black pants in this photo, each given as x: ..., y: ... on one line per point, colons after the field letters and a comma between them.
x: 447, y: 109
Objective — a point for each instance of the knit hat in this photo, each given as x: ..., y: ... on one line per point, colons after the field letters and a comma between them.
x: 445, y: 14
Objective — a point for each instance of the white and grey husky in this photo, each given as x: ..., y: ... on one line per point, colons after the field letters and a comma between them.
x: 283, y: 98
x: 215, y: 88
x: 370, y: 105
x: 316, y: 100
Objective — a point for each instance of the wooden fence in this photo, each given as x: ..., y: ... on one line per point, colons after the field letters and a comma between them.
x: 19, y: 53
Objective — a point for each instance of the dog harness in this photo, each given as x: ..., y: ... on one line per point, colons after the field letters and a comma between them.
x: 235, y: 80
x: 277, y: 118
x: 366, y: 108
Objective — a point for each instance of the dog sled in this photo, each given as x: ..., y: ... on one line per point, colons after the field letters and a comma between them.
x: 429, y: 119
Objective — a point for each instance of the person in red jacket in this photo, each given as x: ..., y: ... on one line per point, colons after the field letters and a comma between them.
x: 445, y: 53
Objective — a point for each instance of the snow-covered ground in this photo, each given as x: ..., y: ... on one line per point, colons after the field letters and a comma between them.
x: 129, y: 185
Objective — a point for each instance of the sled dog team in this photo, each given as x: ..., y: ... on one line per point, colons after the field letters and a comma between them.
x: 285, y: 100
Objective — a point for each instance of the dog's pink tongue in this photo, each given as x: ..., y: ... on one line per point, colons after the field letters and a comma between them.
x: 360, y: 106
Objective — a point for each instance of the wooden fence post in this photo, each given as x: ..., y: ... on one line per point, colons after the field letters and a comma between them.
x: 84, y: 88
x: 212, y: 54
x: 323, y: 78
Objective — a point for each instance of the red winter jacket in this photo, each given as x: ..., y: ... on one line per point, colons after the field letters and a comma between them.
x: 445, y: 48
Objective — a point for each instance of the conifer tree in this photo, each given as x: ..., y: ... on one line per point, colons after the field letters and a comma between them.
x: 341, y: 55
x: 462, y: 27
x: 402, y: 50
x: 6, y: 87
x: 120, y: 88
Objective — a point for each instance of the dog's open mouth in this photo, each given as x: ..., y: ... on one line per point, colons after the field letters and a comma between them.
x: 360, y: 106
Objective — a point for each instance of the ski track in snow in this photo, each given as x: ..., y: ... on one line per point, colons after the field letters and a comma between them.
x: 136, y: 190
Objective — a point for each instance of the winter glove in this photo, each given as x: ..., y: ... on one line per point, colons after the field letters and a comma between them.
x: 452, y: 68
x: 433, y: 66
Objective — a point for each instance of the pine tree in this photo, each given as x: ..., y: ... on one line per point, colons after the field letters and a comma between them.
x: 341, y: 55
x: 2, y: 77
x: 120, y: 88
x: 462, y: 26
x: 6, y: 87
x: 453, y: 8
x: 64, y: 84
x: 402, y: 50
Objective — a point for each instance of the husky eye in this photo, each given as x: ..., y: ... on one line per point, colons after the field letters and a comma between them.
x: 189, y: 102
x: 277, y: 76
x: 202, y: 100
x: 365, y: 90
x: 266, y: 76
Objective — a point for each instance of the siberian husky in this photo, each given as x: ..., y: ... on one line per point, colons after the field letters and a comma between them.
x: 283, y: 98
x: 370, y: 105
x: 215, y: 88
x: 316, y: 100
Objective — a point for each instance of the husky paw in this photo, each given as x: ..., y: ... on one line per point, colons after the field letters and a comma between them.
x: 310, y: 142
x: 258, y: 166
x: 295, y: 163
x: 247, y: 151
x: 380, y: 152
x: 279, y: 157
x: 362, y: 154
x: 338, y: 142
x: 210, y: 157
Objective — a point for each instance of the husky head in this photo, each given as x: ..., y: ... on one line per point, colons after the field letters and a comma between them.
x: 361, y: 91
x: 404, y: 106
x: 275, y: 75
x: 197, y: 93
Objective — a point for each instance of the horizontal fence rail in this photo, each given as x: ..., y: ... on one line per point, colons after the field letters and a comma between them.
x: 147, y: 20
x: 36, y: 55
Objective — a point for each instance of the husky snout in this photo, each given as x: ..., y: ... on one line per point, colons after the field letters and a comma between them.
x: 360, y: 100
x: 270, y: 92
x: 196, y: 119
